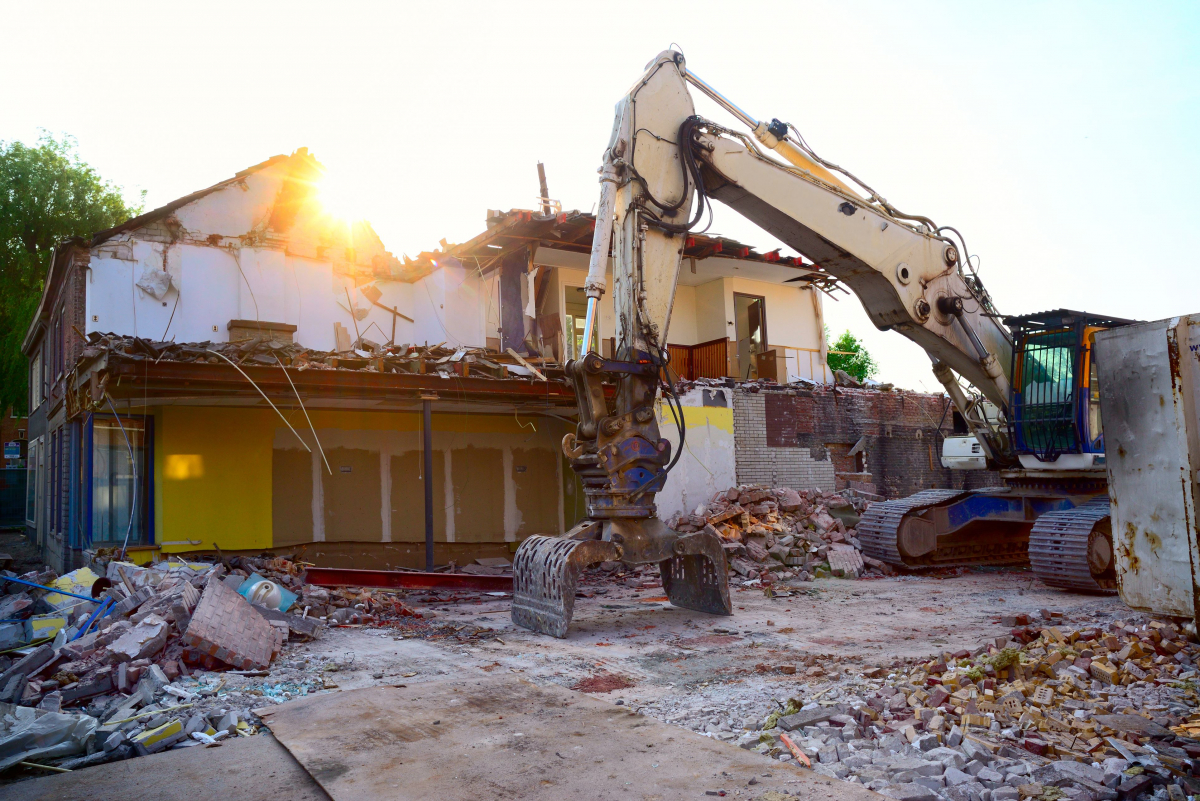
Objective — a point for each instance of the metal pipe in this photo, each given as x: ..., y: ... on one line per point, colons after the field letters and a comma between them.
x: 589, y: 321
x: 47, y: 589
x: 99, y: 610
x: 721, y: 100
x: 601, y: 242
x: 427, y: 467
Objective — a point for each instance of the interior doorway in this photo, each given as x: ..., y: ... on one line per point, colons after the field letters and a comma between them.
x: 750, y: 324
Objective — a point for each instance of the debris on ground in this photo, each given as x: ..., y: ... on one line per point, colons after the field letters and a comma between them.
x: 116, y: 660
x: 778, y: 533
x: 262, y: 350
x: 1042, y: 712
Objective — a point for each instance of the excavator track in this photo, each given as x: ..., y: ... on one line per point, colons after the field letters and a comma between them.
x: 880, y: 524
x: 1073, y: 550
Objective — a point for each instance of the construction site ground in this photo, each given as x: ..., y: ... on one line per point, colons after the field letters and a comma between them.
x: 680, y: 661
x: 629, y: 648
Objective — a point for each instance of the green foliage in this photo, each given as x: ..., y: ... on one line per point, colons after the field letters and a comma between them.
x: 852, y: 357
x: 47, y: 194
x: 1004, y: 658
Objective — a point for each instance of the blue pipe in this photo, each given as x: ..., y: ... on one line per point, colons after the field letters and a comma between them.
x: 103, y: 605
x: 47, y: 589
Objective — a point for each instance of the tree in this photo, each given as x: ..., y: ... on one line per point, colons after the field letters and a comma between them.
x: 848, y: 354
x: 47, y: 194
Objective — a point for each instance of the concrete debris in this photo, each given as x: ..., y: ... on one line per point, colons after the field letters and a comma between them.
x: 148, y: 664
x: 774, y: 534
x: 363, y: 354
x: 1104, y: 712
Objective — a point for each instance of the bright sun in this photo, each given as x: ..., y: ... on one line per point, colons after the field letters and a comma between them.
x: 340, y: 199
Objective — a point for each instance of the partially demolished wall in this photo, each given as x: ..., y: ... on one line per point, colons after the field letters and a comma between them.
x: 822, y: 436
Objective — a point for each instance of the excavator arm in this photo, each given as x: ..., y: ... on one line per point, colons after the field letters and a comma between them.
x: 662, y: 166
x: 910, y: 275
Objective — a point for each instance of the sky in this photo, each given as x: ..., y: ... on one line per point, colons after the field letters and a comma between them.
x: 1059, y: 138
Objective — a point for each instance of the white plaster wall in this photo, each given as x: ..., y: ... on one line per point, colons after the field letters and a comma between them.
x: 235, y: 209
x: 714, y: 310
x: 208, y: 290
x: 682, y: 330
x: 791, y: 319
x: 450, y: 306
x: 708, y: 462
x: 566, y: 276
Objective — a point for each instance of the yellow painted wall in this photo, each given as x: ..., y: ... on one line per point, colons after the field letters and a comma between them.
x: 214, y: 467
x: 213, y: 477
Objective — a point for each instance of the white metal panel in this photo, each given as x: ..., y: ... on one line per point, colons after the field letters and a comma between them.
x: 1145, y: 408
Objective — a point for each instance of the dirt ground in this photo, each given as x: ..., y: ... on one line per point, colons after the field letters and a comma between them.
x: 23, y: 552
x: 711, y: 673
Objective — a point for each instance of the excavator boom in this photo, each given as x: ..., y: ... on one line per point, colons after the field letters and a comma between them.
x: 662, y: 167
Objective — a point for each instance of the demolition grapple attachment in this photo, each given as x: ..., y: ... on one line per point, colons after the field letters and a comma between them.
x: 546, y: 569
x: 621, y: 461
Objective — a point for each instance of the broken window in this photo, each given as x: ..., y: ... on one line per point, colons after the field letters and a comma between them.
x: 119, y: 483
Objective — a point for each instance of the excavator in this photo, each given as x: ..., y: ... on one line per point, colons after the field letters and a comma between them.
x: 1025, y: 385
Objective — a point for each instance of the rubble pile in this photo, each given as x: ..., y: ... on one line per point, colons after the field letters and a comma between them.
x: 778, y: 533
x: 1103, y: 712
x: 362, y: 354
x: 145, y: 658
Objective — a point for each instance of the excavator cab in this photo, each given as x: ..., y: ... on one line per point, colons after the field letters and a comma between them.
x: 1054, y: 419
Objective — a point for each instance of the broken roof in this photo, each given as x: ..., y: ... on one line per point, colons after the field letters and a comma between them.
x: 572, y: 231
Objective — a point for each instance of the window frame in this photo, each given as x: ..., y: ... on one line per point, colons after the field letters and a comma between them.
x: 147, y: 482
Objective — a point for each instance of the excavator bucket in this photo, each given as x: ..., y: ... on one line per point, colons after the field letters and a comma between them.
x: 698, y: 578
x: 546, y: 571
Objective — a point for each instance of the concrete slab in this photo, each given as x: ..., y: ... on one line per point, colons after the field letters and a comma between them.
x: 246, y: 769
x: 503, y: 737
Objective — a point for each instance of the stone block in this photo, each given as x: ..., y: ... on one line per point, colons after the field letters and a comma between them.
x: 955, y: 777
x: 226, y: 627
x: 910, y: 791
x: 805, y: 717
x: 28, y: 665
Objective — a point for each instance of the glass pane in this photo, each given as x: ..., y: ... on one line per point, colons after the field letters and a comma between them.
x: 1048, y: 393
x: 117, y: 483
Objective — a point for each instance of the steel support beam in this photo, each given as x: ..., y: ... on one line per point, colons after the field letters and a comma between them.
x: 427, y: 472
x: 405, y: 580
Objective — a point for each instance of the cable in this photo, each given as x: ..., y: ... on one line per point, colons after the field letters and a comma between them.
x: 306, y: 417
x: 133, y: 468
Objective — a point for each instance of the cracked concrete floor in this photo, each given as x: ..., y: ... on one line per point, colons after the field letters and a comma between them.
x: 678, y: 661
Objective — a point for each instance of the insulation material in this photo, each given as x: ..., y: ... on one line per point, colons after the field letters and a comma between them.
x: 154, y: 282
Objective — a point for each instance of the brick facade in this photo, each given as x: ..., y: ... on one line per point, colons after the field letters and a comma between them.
x: 803, y: 438
x: 759, y: 462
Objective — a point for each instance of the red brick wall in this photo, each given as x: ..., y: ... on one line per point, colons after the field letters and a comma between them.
x: 903, y: 435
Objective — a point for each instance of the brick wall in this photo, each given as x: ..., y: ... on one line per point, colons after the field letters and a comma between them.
x: 803, y: 437
x: 758, y: 462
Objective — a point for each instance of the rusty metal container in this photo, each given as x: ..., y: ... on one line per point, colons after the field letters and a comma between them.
x: 1148, y: 400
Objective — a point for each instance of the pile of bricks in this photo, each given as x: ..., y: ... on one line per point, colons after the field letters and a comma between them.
x: 1041, y: 712
x: 778, y: 533
x: 128, y: 662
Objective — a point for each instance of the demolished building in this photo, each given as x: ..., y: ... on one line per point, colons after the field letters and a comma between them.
x: 239, y: 369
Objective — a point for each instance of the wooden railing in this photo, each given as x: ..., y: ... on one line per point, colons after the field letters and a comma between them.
x: 711, y: 360
x: 706, y: 360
